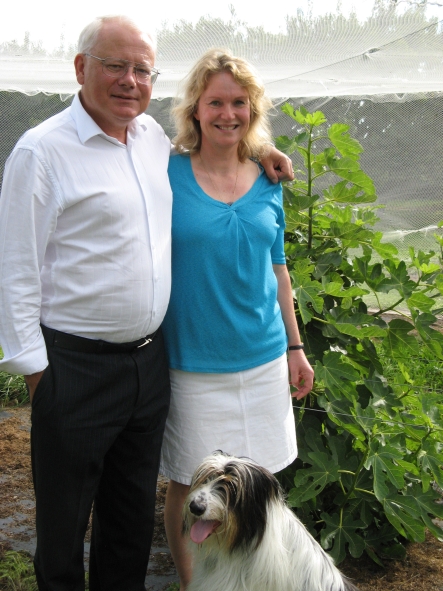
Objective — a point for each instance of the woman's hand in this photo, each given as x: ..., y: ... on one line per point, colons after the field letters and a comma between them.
x: 301, y: 374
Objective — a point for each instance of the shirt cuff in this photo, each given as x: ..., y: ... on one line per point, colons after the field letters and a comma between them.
x: 31, y: 360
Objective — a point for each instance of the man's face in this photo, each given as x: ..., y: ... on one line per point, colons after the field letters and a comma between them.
x: 114, y: 102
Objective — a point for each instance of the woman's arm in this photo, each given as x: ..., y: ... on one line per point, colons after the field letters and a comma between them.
x: 300, y: 370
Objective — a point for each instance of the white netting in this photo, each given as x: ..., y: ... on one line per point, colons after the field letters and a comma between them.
x: 383, y: 76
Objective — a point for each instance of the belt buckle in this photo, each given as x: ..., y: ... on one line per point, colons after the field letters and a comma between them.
x: 147, y: 341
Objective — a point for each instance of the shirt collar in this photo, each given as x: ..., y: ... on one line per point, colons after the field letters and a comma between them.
x: 88, y: 128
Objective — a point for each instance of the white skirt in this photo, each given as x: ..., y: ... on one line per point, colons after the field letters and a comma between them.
x: 246, y: 413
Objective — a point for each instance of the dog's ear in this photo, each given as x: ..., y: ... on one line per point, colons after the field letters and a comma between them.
x: 255, y: 489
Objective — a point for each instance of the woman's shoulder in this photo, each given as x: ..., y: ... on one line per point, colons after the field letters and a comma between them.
x: 266, y: 185
x: 178, y: 162
x: 178, y: 157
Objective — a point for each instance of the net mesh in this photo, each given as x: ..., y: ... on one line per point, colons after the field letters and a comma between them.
x: 382, y: 76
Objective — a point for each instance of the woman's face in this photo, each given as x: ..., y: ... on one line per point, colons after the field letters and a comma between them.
x: 223, y: 111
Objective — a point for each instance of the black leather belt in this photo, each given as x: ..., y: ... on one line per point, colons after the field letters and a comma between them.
x: 84, y: 345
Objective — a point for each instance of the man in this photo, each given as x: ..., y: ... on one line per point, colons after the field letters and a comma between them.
x: 85, y: 219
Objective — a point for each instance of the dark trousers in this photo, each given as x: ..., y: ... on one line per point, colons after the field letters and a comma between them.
x: 97, y: 428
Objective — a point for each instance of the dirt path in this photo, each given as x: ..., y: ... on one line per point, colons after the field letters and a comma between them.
x: 421, y: 571
x: 17, y: 506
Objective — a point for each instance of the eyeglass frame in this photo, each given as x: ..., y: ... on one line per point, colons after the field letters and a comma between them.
x: 127, y: 64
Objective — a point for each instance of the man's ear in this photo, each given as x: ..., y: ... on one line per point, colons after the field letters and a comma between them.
x: 79, y: 64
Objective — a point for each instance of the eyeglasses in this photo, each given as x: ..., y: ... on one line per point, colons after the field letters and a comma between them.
x: 116, y: 68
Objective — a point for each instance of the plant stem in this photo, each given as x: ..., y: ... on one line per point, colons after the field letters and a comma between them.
x: 309, y: 167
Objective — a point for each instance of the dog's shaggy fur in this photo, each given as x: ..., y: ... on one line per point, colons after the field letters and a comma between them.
x: 245, y: 537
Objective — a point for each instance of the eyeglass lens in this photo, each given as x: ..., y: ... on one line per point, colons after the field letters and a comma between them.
x: 117, y: 68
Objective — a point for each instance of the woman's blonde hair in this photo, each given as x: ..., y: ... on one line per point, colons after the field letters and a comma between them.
x: 258, y: 137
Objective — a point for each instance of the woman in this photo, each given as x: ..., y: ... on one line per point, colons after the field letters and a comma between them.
x: 231, y: 315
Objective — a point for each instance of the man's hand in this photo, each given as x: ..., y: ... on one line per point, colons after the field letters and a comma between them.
x: 278, y: 166
x: 32, y: 382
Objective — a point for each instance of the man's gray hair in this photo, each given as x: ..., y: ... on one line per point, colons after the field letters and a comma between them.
x: 88, y: 36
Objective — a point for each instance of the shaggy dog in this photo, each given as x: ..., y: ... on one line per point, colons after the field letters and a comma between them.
x: 246, y: 538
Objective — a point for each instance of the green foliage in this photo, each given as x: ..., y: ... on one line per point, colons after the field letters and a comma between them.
x: 12, y: 390
x: 370, y: 448
x: 17, y: 572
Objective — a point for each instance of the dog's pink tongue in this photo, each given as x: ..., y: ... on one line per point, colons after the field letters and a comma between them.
x: 203, y: 529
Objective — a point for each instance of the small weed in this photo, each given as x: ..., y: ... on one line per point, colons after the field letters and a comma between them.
x: 17, y: 572
x: 173, y: 587
x: 12, y: 390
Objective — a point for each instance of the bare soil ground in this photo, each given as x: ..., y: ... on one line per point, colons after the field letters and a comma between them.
x: 422, y: 570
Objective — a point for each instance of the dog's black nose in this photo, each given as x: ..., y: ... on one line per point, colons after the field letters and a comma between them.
x: 197, y: 508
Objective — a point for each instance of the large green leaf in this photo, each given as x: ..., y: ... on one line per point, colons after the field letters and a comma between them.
x: 431, y: 459
x: 340, y: 413
x: 306, y: 293
x: 382, y: 395
x: 342, y: 454
x: 309, y: 482
x: 432, y: 407
x: 315, y: 119
x: 348, y: 231
x: 349, y: 169
x: 384, y: 249
x: 357, y: 325
x: 314, y: 443
x: 343, y: 193
x: 289, y: 110
x: 367, y: 273
x: 340, y: 533
x: 429, y: 506
x: 439, y: 283
x: 398, y: 341
x: 285, y: 144
x: 421, y: 301
x: 399, y: 279
x: 337, y: 290
x: 430, y: 336
x: 382, y: 460
x: 325, y: 262
x: 403, y: 512
x: 347, y: 146
x: 334, y: 372
x: 299, y: 201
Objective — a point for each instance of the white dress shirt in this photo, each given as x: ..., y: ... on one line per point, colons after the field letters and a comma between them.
x: 85, y: 235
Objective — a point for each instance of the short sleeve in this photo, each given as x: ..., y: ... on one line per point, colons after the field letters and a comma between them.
x: 278, y: 248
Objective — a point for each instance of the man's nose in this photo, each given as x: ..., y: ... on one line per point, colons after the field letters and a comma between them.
x: 128, y: 78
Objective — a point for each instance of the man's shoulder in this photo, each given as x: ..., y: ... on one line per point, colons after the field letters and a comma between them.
x: 43, y: 131
x: 148, y: 120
